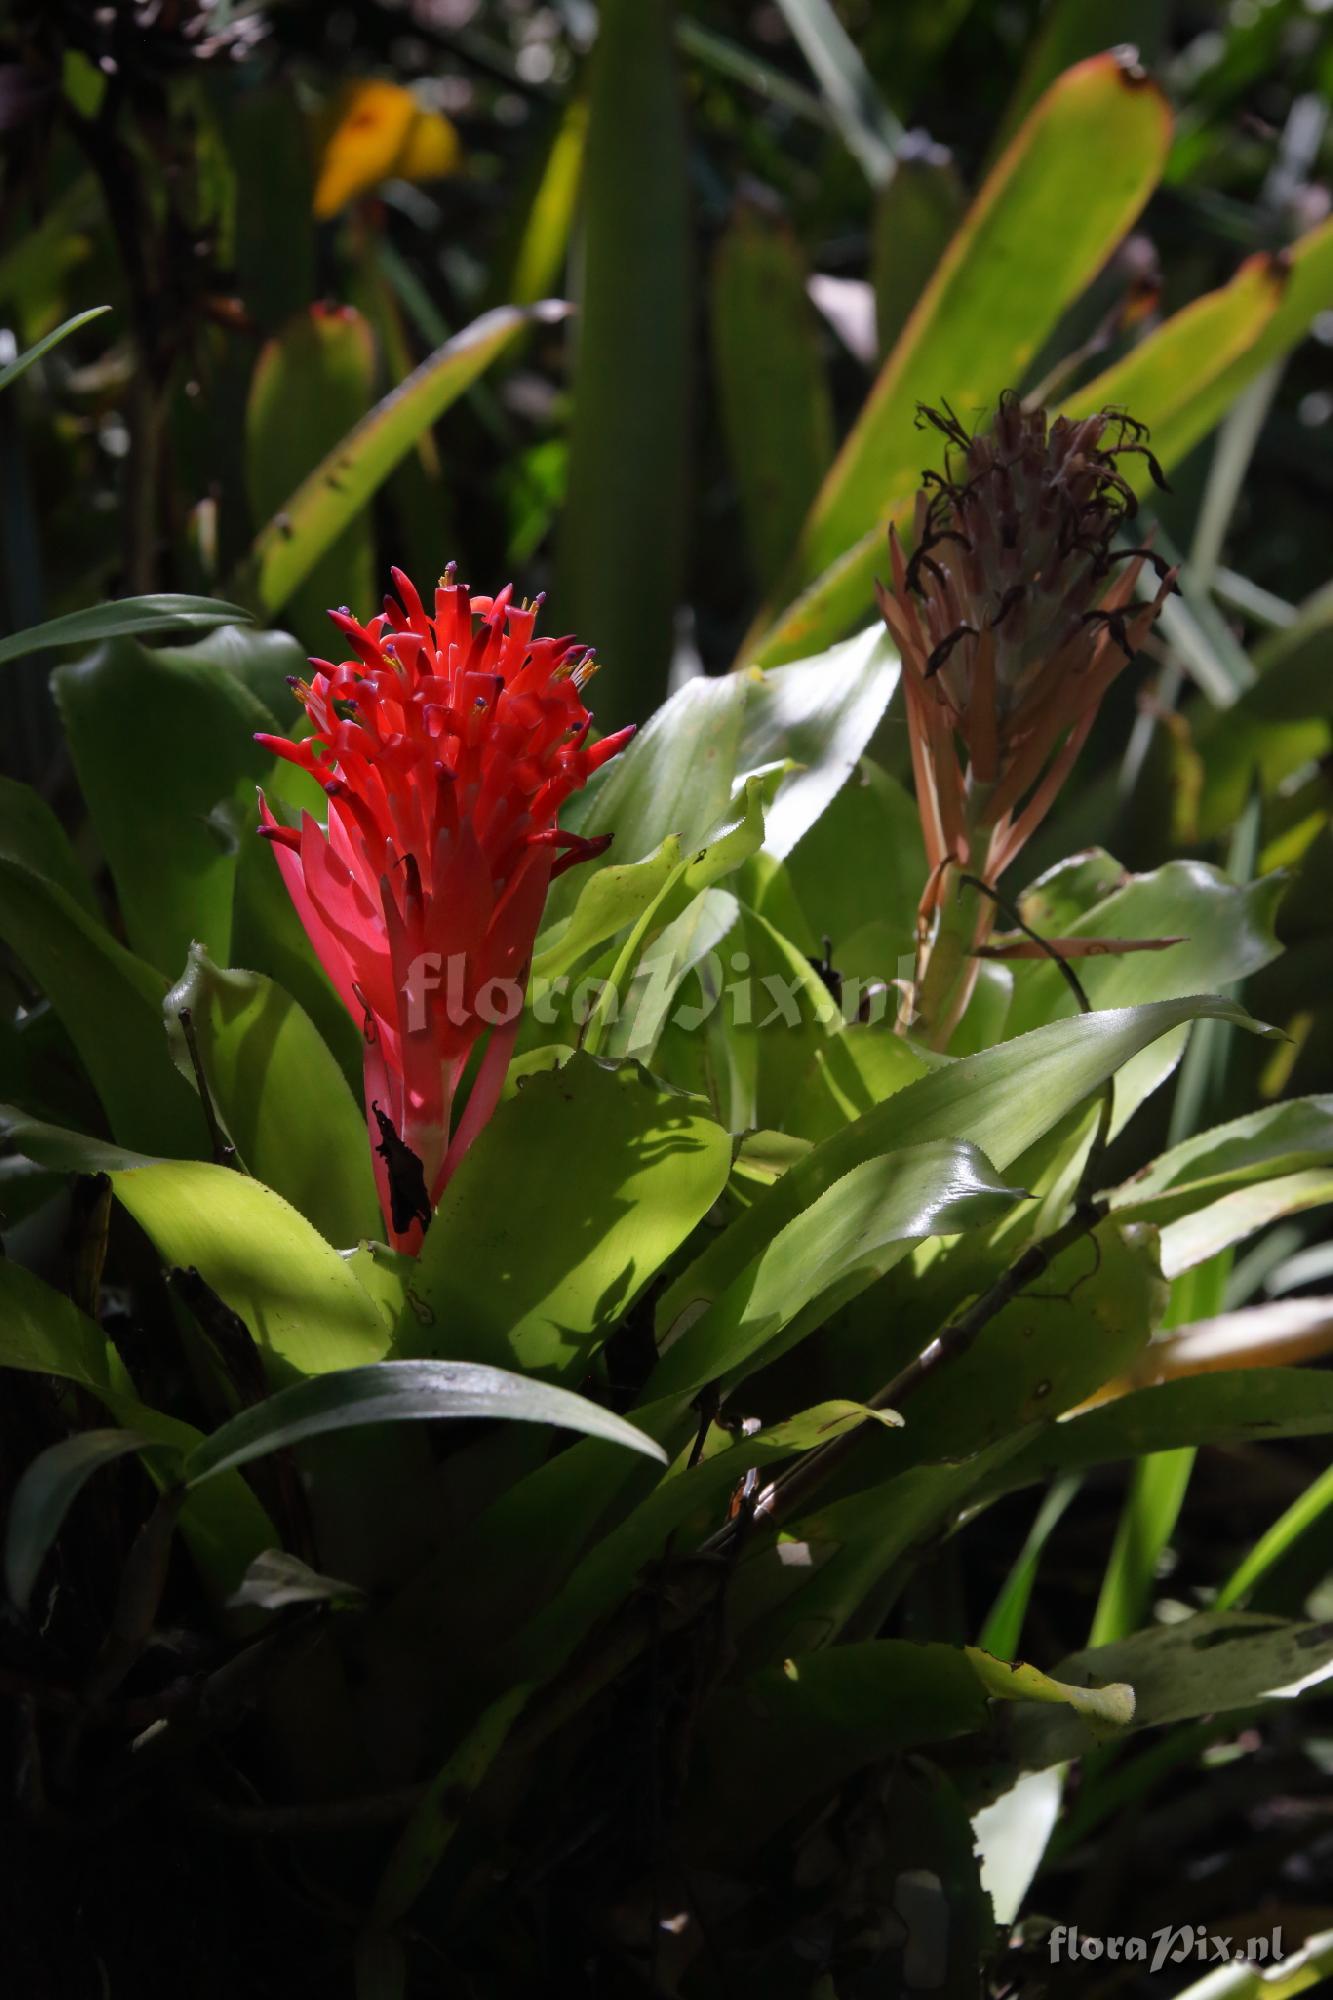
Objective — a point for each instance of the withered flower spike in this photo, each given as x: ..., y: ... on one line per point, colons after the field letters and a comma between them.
x: 1015, y: 543
x: 945, y: 648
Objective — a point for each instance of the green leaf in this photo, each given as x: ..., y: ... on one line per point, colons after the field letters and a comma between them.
x: 47, y: 1490
x: 313, y: 383
x: 124, y: 618
x: 624, y: 518
x: 676, y: 777
x: 833, y: 1713
x: 916, y: 215
x: 1050, y: 213
x: 62, y: 332
x: 1056, y: 1344
x: 1003, y: 1629
x: 163, y: 743
x: 548, y: 218
x: 1189, y: 1241
x: 771, y: 387
x: 1226, y: 932
x: 63, y: 1151
x: 302, y: 1304
x: 268, y: 937
x: 1203, y: 1665
x: 31, y: 834
x: 1074, y: 29
x: 1276, y: 1541
x: 1105, y: 1708
x: 110, y: 1004
x: 313, y: 517
x: 537, y: 1279
x: 43, y: 1332
x: 1246, y: 1405
x: 1279, y: 1139
x: 855, y: 877
x: 869, y: 129
x: 846, y: 1238
x: 1002, y: 1100
x: 818, y: 716
x: 1182, y: 379
x: 390, y: 1392
x: 437, y: 1818
x: 611, y: 899
x: 279, y: 1094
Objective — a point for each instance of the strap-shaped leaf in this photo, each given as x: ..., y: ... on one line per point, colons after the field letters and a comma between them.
x: 395, y: 1392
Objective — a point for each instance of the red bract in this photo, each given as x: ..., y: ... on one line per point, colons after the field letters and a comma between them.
x: 446, y: 749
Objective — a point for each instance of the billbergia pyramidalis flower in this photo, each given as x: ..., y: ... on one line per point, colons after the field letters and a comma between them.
x: 446, y: 749
x: 1015, y: 611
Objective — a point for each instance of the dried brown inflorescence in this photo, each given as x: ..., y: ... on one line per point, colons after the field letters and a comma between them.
x: 1014, y: 613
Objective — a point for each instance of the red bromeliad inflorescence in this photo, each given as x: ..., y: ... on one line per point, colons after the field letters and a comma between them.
x: 446, y: 749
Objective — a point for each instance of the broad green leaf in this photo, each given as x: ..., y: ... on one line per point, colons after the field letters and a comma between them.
x: 1280, y: 1139
x: 675, y: 952
x: 1226, y: 932
x: 279, y: 1094
x: 43, y: 1332
x: 63, y: 1151
x: 1002, y: 1100
x: 771, y: 386
x: 623, y: 526
x: 110, y: 1004
x: 1105, y: 1708
x: 389, y: 1392
x: 268, y: 937
x: 916, y: 215
x: 163, y: 743
x: 1190, y: 349
x: 834, y: 1712
x: 611, y: 898
x: 31, y: 834
x: 1245, y: 1406
x: 301, y: 1302
x: 47, y: 1489
x: 532, y: 1264
x: 838, y: 1245
x: 313, y: 517
x: 123, y: 618
x: 855, y: 877
x: 24, y: 361
x: 849, y: 1074
x: 1191, y: 1239
x: 1074, y: 29
x: 313, y: 383
x: 1203, y: 1665
x: 1050, y: 213
x: 676, y: 777
x: 1184, y: 378
x: 1083, y: 1325
x: 818, y: 715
